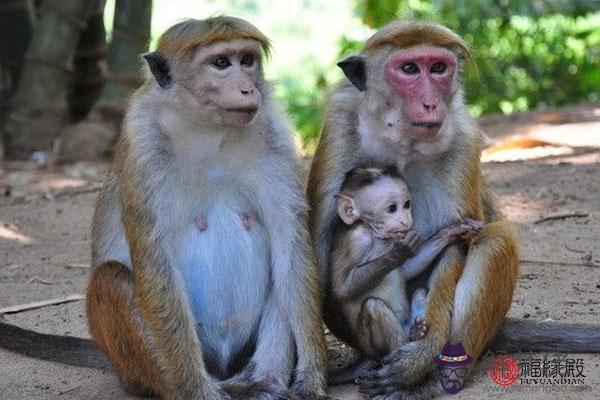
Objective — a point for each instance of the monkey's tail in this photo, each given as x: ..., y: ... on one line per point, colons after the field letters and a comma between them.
x: 62, y: 349
x: 519, y: 335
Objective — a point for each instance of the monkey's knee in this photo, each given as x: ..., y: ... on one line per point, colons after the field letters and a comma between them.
x: 108, y: 297
x: 114, y: 328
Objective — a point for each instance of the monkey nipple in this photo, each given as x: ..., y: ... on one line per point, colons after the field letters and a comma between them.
x: 202, y: 223
x: 245, y: 217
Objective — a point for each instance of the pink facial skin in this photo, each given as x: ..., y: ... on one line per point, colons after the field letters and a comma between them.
x: 422, y: 77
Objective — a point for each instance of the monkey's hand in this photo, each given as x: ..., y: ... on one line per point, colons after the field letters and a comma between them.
x: 406, y: 246
x: 462, y: 230
x: 401, y: 369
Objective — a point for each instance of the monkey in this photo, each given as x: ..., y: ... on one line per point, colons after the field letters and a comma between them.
x: 373, y: 255
x: 403, y: 104
x: 203, y: 281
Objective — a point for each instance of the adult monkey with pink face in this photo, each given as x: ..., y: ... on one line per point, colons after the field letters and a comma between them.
x: 403, y: 105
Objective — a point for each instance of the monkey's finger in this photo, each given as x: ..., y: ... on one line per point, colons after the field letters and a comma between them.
x: 473, y: 223
x: 381, y: 387
x: 377, y: 377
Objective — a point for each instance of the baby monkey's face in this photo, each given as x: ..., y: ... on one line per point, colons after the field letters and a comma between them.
x: 387, y: 207
x: 384, y: 205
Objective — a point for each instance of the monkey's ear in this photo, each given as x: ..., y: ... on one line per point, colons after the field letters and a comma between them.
x: 355, y: 70
x: 160, y: 68
x: 346, y: 208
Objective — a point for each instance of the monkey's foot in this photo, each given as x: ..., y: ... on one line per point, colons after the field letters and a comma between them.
x: 429, y: 389
x: 405, y: 367
x: 418, y: 329
x: 350, y: 373
x: 309, y: 389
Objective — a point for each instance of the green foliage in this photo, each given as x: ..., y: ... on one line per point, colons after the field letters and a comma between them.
x: 527, y: 54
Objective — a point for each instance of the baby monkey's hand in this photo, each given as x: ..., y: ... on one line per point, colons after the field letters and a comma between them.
x: 406, y: 244
x: 463, y: 230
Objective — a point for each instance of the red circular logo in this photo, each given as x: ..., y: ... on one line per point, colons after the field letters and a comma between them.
x: 504, y: 370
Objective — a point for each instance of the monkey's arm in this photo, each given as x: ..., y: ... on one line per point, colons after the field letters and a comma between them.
x: 359, y: 268
x: 432, y: 247
x: 157, y: 291
x: 428, y: 251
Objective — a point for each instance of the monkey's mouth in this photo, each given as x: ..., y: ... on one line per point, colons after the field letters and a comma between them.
x: 243, y: 110
x: 425, y: 130
x: 427, y: 125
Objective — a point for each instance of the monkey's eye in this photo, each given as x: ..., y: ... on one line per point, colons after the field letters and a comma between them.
x: 407, y: 205
x: 392, y: 208
x: 410, y: 68
x: 221, y: 62
x: 247, y: 60
x: 438, y: 68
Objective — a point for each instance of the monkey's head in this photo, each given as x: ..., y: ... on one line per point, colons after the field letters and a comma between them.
x: 212, y: 68
x: 409, y: 72
x: 379, y: 198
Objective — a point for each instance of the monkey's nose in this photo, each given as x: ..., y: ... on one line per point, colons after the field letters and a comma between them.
x: 430, y: 107
x: 247, y: 91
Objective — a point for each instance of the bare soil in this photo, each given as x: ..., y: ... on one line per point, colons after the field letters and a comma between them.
x: 45, y: 216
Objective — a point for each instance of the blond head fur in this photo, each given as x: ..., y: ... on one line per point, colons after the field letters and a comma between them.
x: 185, y: 37
x: 404, y: 34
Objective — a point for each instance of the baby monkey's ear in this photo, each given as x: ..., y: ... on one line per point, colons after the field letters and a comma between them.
x: 346, y: 208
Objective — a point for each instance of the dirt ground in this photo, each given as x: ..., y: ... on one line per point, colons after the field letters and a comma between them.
x: 45, y: 216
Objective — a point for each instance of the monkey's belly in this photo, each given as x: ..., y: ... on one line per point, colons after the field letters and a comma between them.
x: 392, y: 291
x: 226, y: 270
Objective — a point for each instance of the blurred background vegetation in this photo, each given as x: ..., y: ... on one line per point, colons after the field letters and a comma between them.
x: 533, y: 54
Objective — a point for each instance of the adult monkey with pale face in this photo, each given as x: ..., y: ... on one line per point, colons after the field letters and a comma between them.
x: 403, y: 105
x: 203, y: 212
x: 201, y: 263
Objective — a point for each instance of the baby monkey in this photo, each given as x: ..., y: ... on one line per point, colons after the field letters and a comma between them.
x: 374, y: 253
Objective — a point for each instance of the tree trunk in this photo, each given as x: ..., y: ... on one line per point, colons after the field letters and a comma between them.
x: 130, y: 38
x: 17, y: 18
x: 38, y: 110
x: 89, y: 75
x: 99, y: 132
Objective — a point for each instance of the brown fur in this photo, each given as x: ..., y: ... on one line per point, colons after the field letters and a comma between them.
x: 116, y: 328
x: 187, y: 36
x: 403, y: 34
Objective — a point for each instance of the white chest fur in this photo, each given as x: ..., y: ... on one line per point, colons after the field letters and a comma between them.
x: 224, y: 261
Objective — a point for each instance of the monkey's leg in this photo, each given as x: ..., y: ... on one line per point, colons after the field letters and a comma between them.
x: 116, y: 328
x: 432, y: 387
x: 412, y: 363
x: 417, y: 325
x: 385, y: 330
x: 485, y: 290
x: 273, y: 360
